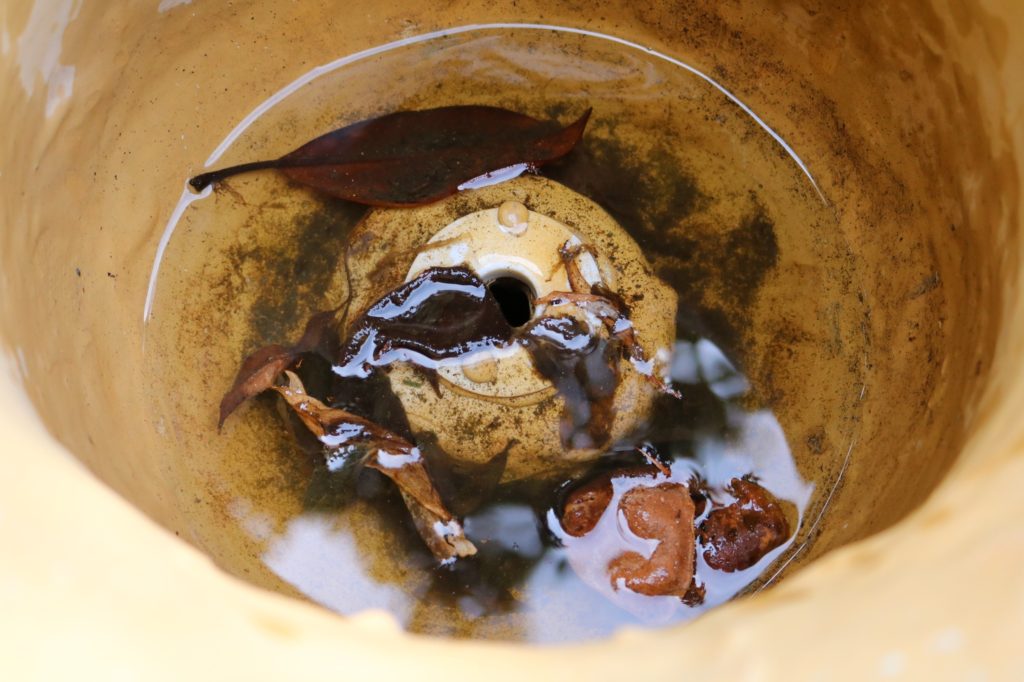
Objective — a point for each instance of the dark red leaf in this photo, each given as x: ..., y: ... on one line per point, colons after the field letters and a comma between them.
x: 410, y: 158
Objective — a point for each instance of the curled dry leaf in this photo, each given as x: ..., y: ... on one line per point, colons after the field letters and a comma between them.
x: 410, y: 158
x: 260, y: 370
x: 391, y: 455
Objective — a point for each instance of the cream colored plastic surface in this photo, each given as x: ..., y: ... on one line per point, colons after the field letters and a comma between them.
x: 106, y: 106
x: 521, y: 415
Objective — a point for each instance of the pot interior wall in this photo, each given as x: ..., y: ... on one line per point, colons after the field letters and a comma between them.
x: 870, y: 340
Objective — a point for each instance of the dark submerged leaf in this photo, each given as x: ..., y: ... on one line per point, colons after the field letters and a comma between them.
x: 332, y: 489
x: 585, y: 374
x: 410, y: 158
x: 441, y: 313
x: 466, y: 485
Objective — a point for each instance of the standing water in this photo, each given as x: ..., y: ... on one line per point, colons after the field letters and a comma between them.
x: 725, y: 212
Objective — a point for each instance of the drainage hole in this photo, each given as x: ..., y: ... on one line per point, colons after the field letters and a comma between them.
x: 514, y: 297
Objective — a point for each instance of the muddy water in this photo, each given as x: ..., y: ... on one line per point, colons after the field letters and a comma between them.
x: 725, y: 214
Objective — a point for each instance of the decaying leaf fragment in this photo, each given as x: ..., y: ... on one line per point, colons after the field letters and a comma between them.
x: 653, y: 508
x: 609, y: 307
x: 410, y: 158
x: 663, y: 513
x: 583, y: 367
x: 260, y: 370
x: 580, y: 359
x: 741, y: 534
x: 391, y: 455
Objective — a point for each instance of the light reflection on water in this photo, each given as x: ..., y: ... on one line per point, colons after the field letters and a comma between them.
x: 319, y: 555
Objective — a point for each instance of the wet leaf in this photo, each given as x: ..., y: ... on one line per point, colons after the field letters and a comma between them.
x: 260, y: 370
x: 444, y: 538
x: 654, y: 508
x: 441, y: 313
x: 585, y: 506
x: 741, y: 534
x: 663, y: 513
x: 583, y: 368
x: 391, y: 455
x: 410, y: 158
x: 586, y: 374
x: 257, y: 373
x: 467, y: 485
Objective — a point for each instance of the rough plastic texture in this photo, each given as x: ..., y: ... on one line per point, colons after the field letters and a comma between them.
x: 909, y: 115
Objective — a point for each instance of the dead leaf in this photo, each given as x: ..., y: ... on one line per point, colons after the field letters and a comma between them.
x: 410, y: 158
x: 583, y: 368
x: 441, y: 313
x: 445, y: 539
x: 260, y: 370
x: 391, y: 455
x: 663, y: 513
x: 739, y: 535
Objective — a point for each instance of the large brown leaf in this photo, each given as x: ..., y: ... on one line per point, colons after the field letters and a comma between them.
x: 409, y: 158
